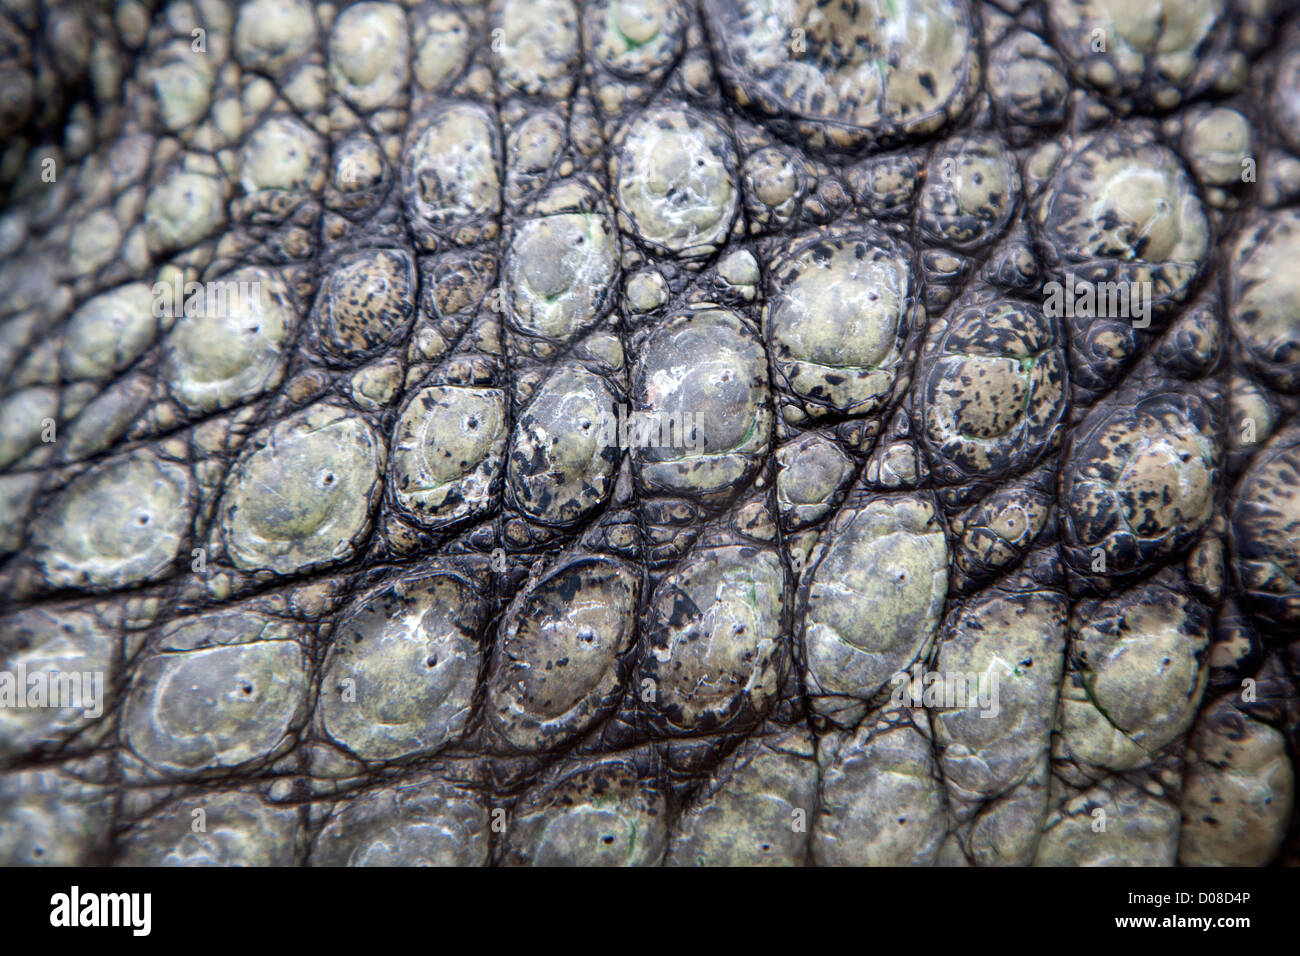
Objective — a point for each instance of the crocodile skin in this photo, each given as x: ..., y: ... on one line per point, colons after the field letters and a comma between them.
x: 651, y: 432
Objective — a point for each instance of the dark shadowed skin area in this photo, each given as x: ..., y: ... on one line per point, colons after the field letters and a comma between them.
x: 650, y: 432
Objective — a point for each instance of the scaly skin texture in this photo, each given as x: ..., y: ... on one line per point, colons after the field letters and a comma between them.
x: 371, y: 574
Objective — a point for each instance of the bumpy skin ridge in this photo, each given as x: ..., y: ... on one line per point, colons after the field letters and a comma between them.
x: 374, y: 578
